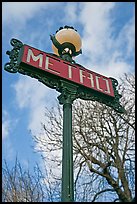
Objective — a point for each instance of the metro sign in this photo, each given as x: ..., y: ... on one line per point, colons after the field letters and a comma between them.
x: 40, y: 60
x: 53, y: 70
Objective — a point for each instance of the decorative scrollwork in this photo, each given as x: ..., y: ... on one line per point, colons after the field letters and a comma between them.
x: 12, y: 66
x: 69, y: 91
x: 45, y: 79
x: 107, y: 100
x: 116, y: 104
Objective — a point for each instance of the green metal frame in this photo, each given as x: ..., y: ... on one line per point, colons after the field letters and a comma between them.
x: 69, y: 92
x: 55, y: 82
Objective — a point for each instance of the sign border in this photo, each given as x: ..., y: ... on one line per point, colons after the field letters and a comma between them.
x: 61, y: 85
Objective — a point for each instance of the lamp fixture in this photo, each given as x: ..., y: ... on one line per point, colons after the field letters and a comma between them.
x: 66, y: 43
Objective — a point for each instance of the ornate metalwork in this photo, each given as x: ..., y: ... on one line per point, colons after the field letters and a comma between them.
x: 69, y: 91
x: 85, y: 94
x: 66, y: 27
x: 45, y: 79
x: 116, y: 104
x: 12, y: 66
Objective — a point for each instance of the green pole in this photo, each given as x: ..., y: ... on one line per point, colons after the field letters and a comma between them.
x: 67, y: 157
x: 68, y: 95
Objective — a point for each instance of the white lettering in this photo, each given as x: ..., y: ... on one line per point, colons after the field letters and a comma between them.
x: 91, y: 79
x: 47, y: 63
x: 70, y: 71
x: 35, y: 58
x: 97, y: 83
x: 81, y: 75
x: 107, y: 85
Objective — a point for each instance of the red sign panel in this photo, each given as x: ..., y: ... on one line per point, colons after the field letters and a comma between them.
x: 72, y: 72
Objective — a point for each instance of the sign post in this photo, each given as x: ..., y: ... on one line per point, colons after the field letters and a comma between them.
x: 72, y: 81
x: 66, y: 98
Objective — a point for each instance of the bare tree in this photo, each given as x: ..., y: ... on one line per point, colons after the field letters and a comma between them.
x: 19, y: 185
x: 103, y: 144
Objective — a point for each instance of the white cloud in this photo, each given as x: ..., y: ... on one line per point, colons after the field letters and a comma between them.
x: 116, y: 67
x: 95, y: 17
x: 27, y: 91
x: 16, y: 17
x: 20, y: 12
x: 36, y: 117
x: 8, y: 148
x: 35, y: 96
x: 126, y: 38
x: 5, y: 129
x: 5, y: 125
x: 101, y: 52
x: 70, y: 10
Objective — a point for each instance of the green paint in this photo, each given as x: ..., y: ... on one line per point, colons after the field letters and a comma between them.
x: 69, y: 92
x: 67, y: 157
x: 68, y: 95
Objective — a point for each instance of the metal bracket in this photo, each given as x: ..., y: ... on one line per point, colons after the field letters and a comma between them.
x: 69, y: 90
x: 12, y: 66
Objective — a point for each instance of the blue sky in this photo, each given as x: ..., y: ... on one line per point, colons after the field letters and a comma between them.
x: 107, y: 32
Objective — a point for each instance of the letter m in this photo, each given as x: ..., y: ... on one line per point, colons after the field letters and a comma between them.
x: 34, y: 58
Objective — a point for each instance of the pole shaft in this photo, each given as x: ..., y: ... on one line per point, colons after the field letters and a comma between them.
x: 67, y: 157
